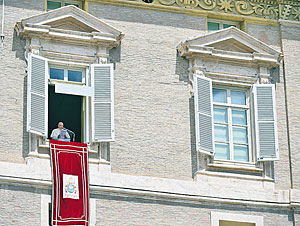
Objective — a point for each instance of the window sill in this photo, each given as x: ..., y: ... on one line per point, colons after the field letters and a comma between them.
x: 221, y: 176
x: 231, y: 165
x: 47, y: 156
x: 47, y: 146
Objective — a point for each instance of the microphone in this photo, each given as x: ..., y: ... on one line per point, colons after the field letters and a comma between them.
x: 73, y: 138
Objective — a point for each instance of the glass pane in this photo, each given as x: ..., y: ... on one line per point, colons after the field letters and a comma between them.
x: 221, y: 133
x: 53, y: 5
x: 74, y: 76
x: 66, y: 4
x: 57, y: 73
x: 240, y: 135
x: 220, y: 95
x: 238, y: 97
x: 239, y: 117
x: 220, y: 115
x: 222, y: 151
x: 228, y: 25
x: 212, y: 26
x: 241, y: 153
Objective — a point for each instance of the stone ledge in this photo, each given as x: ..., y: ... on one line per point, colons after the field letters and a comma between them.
x: 233, y: 175
x: 233, y: 166
x: 206, y: 187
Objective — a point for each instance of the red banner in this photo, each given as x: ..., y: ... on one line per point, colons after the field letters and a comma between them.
x: 70, y: 192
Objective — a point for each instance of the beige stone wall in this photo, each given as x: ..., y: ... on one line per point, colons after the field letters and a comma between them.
x: 19, y: 206
x: 153, y: 116
x: 271, y: 36
x: 153, y: 121
x: 291, y: 48
x: 152, y: 97
x: 127, y: 211
x: 13, y: 136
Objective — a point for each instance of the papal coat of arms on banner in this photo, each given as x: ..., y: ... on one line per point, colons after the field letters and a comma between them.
x: 70, y: 186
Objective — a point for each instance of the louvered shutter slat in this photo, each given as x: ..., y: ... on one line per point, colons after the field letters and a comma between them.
x: 265, y: 121
x: 102, y: 119
x: 37, y: 99
x: 205, y: 132
x: 37, y: 113
x: 203, y: 115
x: 102, y: 84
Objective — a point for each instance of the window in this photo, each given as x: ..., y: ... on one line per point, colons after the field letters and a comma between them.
x: 233, y: 219
x: 69, y: 109
x: 57, y: 4
x: 223, y: 122
x: 213, y: 25
x: 65, y: 74
x: 79, y: 95
x: 234, y: 223
x: 231, y: 126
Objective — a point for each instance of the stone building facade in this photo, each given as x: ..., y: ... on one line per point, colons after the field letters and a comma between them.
x: 175, y: 153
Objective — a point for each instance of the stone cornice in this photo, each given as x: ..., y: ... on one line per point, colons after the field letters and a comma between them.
x: 69, y: 24
x: 46, y: 32
x: 37, y: 173
x: 265, y: 11
x: 251, y: 50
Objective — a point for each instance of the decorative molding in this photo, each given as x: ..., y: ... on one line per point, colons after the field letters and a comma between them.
x: 229, y: 44
x: 69, y: 24
x: 263, y: 9
x: 288, y: 10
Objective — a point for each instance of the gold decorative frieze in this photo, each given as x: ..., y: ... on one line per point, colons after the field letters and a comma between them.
x: 267, y: 9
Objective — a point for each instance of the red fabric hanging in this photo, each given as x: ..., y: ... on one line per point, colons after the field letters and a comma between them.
x: 70, y: 192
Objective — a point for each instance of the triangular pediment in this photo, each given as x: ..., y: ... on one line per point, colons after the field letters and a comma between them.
x: 70, y: 23
x: 70, y: 18
x: 232, y: 44
x: 229, y: 40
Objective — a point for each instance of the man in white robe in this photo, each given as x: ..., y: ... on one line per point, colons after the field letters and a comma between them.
x: 60, y: 133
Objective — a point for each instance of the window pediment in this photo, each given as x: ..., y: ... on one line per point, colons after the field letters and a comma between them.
x: 231, y: 44
x: 69, y: 22
x: 72, y: 24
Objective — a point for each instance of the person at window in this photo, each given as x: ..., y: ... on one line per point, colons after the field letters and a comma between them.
x: 60, y: 133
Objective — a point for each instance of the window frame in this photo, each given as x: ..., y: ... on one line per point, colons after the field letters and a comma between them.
x: 67, y: 68
x: 85, y: 111
x: 63, y: 3
x: 221, y: 23
x: 216, y: 217
x: 249, y: 126
x: 106, y: 115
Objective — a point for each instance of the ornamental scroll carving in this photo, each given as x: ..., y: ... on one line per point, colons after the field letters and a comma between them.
x: 258, y: 8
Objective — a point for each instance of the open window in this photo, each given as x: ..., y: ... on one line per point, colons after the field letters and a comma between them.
x: 79, y: 95
x: 65, y: 82
x: 234, y: 100
x: 231, y: 109
x: 65, y: 107
x: 224, y: 123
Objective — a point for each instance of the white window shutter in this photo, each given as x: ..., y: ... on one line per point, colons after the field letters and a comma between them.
x: 204, y: 115
x: 37, y: 95
x: 265, y: 122
x: 102, y: 76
